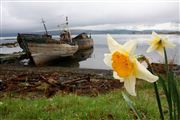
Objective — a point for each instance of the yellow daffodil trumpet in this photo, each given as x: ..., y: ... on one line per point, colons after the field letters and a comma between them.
x: 158, y: 44
x: 125, y: 66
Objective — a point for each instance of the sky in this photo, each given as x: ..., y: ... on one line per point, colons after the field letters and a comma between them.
x: 26, y: 15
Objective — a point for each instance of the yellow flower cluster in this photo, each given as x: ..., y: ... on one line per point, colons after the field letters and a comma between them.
x: 126, y: 67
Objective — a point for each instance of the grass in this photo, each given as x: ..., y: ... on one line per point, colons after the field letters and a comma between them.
x: 72, y: 107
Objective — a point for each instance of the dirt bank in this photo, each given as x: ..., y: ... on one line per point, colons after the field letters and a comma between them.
x: 47, y: 81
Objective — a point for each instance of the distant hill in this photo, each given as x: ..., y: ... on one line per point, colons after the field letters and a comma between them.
x: 75, y: 32
x: 78, y: 31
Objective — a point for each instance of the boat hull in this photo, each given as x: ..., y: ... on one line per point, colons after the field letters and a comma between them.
x: 44, y: 53
x: 83, y: 41
x: 84, y: 44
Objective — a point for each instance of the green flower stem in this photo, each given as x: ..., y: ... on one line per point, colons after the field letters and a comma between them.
x: 169, y: 99
x: 131, y: 105
x: 166, y: 62
x: 156, y: 92
x: 158, y: 101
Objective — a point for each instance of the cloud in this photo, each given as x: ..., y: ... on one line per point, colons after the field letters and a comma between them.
x: 26, y: 16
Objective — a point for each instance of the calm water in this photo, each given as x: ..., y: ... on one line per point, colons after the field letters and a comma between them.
x: 100, y: 47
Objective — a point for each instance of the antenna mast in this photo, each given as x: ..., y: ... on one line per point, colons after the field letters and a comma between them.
x: 44, y: 27
x: 67, y: 21
x: 68, y: 28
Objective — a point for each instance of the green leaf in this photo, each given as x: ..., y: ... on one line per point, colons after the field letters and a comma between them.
x: 170, y: 88
x: 130, y: 104
x: 169, y: 96
x: 163, y: 83
x: 158, y: 101
x: 175, y: 96
x: 178, y: 97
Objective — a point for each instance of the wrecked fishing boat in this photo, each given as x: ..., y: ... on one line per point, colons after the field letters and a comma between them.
x: 41, y: 49
x: 83, y: 41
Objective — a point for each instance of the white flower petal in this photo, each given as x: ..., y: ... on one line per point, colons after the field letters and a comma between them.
x: 144, y: 74
x: 155, y: 38
x: 151, y: 48
x: 107, y: 59
x: 149, y: 41
x: 130, y: 46
x: 168, y: 44
x: 129, y: 84
x: 154, y: 34
x: 115, y: 75
x: 113, y: 45
x: 161, y: 51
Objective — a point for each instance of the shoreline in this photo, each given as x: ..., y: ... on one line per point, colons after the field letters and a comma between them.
x: 101, y: 73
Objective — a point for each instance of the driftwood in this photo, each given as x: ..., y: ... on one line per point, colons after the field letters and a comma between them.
x: 160, y: 68
x: 49, y: 84
x: 78, y: 80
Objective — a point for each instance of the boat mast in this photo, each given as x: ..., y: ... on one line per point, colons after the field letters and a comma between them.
x: 67, y: 21
x: 44, y: 27
x: 68, y: 28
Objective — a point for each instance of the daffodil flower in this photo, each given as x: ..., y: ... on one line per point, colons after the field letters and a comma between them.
x: 125, y: 66
x: 158, y: 44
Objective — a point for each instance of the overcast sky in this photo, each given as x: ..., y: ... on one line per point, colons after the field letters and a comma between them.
x: 26, y: 16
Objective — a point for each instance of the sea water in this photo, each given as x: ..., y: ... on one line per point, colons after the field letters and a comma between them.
x: 100, y: 48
